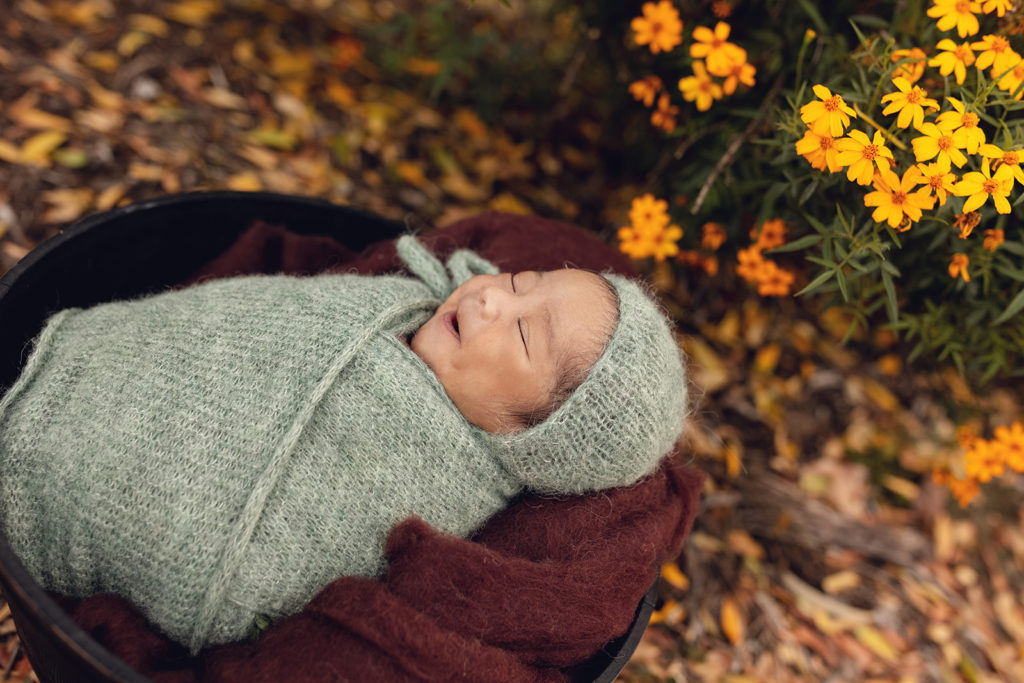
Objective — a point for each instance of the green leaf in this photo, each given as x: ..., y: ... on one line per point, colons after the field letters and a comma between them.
x: 1015, y: 307
x: 797, y: 245
x: 816, y: 282
x: 844, y: 287
x: 891, y: 305
x: 815, y: 223
x: 815, y: 16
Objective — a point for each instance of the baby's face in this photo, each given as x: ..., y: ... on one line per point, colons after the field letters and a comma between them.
x: 498, y: 343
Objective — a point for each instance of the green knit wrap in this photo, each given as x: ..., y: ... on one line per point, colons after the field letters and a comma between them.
x: 227, y: 450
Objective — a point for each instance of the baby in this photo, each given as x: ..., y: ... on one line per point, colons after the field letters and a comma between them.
x: 224, y: 451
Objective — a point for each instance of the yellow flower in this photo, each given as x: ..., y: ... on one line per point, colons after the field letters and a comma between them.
x: 700, y: 87
x: 993, y: 238
x: 939, y: 142
x: 982, y: 461
x: 996, y: 53
x: 1010, y: 159
x: 1010, y: 82
x: 966, y: 132
x: 718, y: 52
x: 645, y: 89
x: 910, y: 101
x: 953, y: 59
x: 978, y: 187
x: 938, y: 178
x: 649, y: 214
x: 959, y: 13
x: 958, y: 267
x: 829, y: 116
x: 634, y: 243
x: 895, y: 201
x: 664, y: 116
x: 913, y: 68
x: 714, y: 236
x: 820, y: 150
x: 659, y: 27
x: 1011, y: 443
x: 773, y: 281
x: 863, y: 156
x: 997, y: 6
x: 741, y: 72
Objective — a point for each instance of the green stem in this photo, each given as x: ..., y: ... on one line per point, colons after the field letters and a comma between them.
x: 896, y: 143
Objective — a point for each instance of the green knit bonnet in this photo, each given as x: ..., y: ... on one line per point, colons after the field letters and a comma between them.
x: 623, y: 418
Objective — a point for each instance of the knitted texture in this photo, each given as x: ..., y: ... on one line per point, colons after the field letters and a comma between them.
x: 619, y: 422
x: 227, y: 450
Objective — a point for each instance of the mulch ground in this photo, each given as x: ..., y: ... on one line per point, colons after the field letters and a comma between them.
x: 823, y: 551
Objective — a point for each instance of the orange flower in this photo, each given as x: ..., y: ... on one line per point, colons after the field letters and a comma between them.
x: 983, y: 460
x: 712, y: 46
x: 958, y: 266
x: 714, y: 236
x: 774, y: 281
x: 820, y: 150
x: 953, y: 59
x: 938, y: 179
x: 700, y: 87
x: 722, y: 8
x: 772, y: 234
x: 993, y: 238
x: 710, y: 265
x: 660, y: 27
x: 966, y: 222
x: 645, y: 89
x: 750, y: 263
x: 829, y: 115
x: 913, y: 68
x: 664, y: 117
x: 648, y: 213
x: 740, y: 72
x: 1010, y: 441
x: 958, y: 13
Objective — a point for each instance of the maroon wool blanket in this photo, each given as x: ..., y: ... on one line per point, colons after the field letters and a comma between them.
x: 538, y: 590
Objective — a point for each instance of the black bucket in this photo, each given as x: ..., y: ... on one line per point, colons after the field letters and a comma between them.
x: 127, y: 252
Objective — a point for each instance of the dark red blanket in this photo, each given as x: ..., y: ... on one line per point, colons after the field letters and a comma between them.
x: 539, y: 589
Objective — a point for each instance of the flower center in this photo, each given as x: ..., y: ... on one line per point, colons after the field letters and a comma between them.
x: 963, y: 6
x: 999, y: 44
x: 944, y: 143
x: 935, y: 182
x: 962, y: 52
x: 832, y: 103
x: 870, y: 152
x: 914, y: 96
x: 899, y: 197
x: 1010, y: 159
x: 990, y: 186
x: 656, y: 26
x: 825, y: 142
x: 969, y: 120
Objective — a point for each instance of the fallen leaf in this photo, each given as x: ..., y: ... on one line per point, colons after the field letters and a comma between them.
x: 68, y: 204
x: 36, y: 150
x: 9, y: 152
x: 411, y: 173
x: 224, y: 99
x: 195, y: 13
x: 146, y: 172
x: 732, y: 621
x: 38, y: 119
x: 150, y: 24
x: 870, y: 638
x: 709, y: 371
x: 129, y: 43
x: 840, y: 581
x: 671, y: 573
x: 507, y: 202
x: 110, y: 196
x: 744, y: 544
x: 247, y: 181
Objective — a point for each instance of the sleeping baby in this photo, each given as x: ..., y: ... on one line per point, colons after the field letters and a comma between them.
x: 219, y: 454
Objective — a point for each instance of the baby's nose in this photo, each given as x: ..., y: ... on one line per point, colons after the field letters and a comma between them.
x: 493, y: 300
